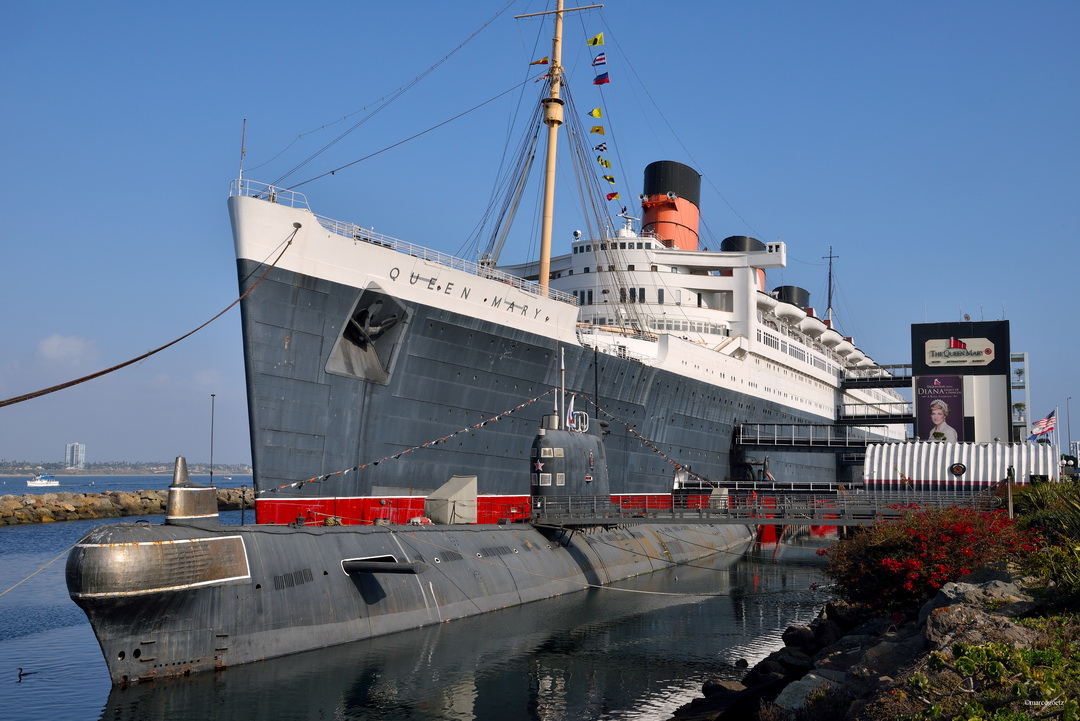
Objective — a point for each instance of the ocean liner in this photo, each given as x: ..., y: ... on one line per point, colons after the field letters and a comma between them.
x: 408, y: 409
x: 364, y: 351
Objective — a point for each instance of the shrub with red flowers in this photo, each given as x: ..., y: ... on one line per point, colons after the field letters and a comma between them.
x: 900, y: 564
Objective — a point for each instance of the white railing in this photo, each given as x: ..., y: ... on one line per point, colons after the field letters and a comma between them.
x: 269, y: 193
x: 293, y: 199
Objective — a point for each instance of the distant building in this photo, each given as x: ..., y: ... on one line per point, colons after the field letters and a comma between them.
x: 75, y: 456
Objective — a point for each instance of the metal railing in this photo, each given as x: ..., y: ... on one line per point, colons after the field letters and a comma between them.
x: 293, y: 199
x: 831, y: 509
x: 803, y: 435
x: 890, y: 409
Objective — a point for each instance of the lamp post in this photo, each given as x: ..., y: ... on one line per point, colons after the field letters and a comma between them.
x: 1068, y: 423
x: 212, y: 396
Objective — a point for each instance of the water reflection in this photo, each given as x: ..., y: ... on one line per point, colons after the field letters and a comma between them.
x: 638, y: 650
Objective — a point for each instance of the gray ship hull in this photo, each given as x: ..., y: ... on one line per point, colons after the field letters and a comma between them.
x: 169, y: 600
x: 448, y: 372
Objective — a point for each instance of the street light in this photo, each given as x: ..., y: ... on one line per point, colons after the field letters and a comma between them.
x: 212, y: 396
x: 1068, y: 423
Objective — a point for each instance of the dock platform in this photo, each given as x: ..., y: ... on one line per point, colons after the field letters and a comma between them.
x: 758, y: 509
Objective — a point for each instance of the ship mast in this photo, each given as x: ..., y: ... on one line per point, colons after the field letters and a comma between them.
x: 553, y: 118
x: 828, y: 307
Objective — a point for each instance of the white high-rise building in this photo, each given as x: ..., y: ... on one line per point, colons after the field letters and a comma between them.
x: 75, y: 456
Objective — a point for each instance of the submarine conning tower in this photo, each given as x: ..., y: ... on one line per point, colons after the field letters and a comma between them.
x: 567, y: 462
x: 190, y: 504
x: 670, y: 203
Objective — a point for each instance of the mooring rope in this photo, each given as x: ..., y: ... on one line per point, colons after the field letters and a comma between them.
x: 45, y: 391
x: 62, y: 554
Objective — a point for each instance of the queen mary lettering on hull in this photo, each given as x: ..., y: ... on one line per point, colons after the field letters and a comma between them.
x: 411, y: 412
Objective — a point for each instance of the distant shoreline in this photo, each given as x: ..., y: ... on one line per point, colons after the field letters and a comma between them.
x: 124, y: 472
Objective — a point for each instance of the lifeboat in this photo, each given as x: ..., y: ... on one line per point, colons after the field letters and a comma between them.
x: 766, y: 302
x: 812, y: 326
x: 831, y: 338
x: 789, y: 313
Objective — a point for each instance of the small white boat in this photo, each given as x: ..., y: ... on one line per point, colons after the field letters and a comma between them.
x: 41, y: 480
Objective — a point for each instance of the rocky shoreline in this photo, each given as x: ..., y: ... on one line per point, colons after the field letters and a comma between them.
x: 65, y: 506
x: 859, y: 659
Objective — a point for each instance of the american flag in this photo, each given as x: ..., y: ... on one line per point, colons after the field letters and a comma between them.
x: 1044, y: 426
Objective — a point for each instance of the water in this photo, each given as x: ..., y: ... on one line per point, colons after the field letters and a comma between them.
x: 16, y: 485
x: 635, y: 652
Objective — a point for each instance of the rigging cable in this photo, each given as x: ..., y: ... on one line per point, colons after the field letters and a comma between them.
x: 411, y: 137
x: 388, y: 100
x: 45, y: 391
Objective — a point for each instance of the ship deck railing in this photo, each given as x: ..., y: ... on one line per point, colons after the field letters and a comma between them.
x: 900, y: 411
x: 896, y: 375
x: 293, y: 199
x: 808, y: 435
x: 756, y: 508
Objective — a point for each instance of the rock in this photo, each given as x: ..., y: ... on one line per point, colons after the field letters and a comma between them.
x: 845, y: 614
x: 801, y: 637
x: 713, y: 687
x: 865, y: 656
x: 888, y: 656
x: 796, y: 694
x: 990, y: 594
x: 826, y: 633
x: 952, y: 624
x: 794, y: 660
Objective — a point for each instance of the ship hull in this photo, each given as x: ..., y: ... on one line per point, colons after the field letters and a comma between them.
x: 171, y: 600
x: 451, y: 372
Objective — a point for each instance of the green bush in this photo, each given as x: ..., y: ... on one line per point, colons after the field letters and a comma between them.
x: 1052, y: 508
x: 997, y: 681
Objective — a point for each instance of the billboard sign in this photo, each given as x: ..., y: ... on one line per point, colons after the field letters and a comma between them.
x: 959, y: 352
x: 939, y: 408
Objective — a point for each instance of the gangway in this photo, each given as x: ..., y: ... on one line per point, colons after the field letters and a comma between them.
x: 883, y: 376
x: 822, y: 437
x: 756, y: 509
x: 878, y: 412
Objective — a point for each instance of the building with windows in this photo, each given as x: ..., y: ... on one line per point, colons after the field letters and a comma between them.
x: 75, y: 456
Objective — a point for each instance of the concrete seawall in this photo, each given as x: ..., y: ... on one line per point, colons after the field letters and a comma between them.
x: 64, y: 506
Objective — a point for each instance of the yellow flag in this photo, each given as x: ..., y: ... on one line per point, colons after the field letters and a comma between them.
x: 609, y: 178
x: 541, y: 61
x: 598, y: 40
x: 598, y: 129
x: 595, y: 112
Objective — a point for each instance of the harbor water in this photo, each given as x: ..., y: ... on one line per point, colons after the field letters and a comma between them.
x: 637, y: 650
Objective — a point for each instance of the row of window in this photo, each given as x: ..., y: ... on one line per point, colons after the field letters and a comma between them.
x: 549, y: 453
x: 630, y: 295
x: 795, y: 351
x: 687, y: 326
x: 670, y: 325
x: 622, y: 245
x: 544, y: 479
x: 630, y: 266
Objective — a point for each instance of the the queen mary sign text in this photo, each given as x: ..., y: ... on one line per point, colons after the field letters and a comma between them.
x: 959, y: 352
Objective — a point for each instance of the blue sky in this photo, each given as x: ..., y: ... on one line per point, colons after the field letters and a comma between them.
x: 933, y: 146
